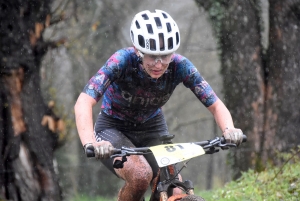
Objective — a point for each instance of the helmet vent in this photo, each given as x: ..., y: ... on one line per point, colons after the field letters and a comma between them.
x: 141, y: 41
x: 149, y: 27
x: 152, y: 44
x: 177, y: 37
x: 161, y: 41
x: 170, y: 43
x: 137, y: 25
x: 145, y: 17
x: 169, y: 28
x: 165, y: 16
x: 132, y: 36
x: 158, y: 22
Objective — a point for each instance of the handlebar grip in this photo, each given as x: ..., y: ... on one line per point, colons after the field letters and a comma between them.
x: 244, y: 138
x: 116, y: 151
x: 223, y: 141
x: 90, y: 152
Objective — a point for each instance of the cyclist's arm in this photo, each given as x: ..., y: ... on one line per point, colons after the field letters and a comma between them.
x: 221, y: 115
x: 84, y: 118
x: 94, y: 90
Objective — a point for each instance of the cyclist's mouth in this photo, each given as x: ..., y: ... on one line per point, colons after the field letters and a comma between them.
x: 156, y: 72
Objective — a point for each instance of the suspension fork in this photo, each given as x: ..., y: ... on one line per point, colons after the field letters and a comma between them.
x: 163, y: 186
x: 167, y: 183
x: 160, y: 186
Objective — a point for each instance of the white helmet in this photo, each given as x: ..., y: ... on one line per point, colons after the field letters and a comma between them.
x: 147, y: 29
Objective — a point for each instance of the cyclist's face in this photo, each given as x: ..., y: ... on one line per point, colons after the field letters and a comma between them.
x: 156, y: 65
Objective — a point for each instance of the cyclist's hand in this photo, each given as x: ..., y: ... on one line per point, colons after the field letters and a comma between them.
x: 233, y: 135
x: 103, y: 149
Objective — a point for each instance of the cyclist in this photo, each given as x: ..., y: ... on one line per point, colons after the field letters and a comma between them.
x: 135, y: 83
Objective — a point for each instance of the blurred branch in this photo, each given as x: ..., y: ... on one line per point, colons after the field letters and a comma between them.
x: 286, y: 162
x: 58, y: 19
x: 61, y: 7
x: 59, y: 12
x: 56, y: 43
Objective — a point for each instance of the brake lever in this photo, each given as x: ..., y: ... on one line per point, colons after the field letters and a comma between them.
x: 217, y: 142
x: 124, y: 152
x: 127, y: 149
x: 227, y: 145
x: 213, y: 143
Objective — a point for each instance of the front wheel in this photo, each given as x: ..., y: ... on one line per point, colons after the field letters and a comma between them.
x: 192, y: 198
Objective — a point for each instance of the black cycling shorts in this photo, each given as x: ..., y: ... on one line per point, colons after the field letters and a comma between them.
x: 123, y: 133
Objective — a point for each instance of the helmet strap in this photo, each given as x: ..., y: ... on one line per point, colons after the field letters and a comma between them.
x: 140, y: 57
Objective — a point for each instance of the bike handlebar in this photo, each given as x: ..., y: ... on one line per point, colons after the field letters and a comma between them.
x: 222, y: 140
x: 209, y: 145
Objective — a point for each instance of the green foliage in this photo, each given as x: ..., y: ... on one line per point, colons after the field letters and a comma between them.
x: 275, y: 183
x: 216, y: 14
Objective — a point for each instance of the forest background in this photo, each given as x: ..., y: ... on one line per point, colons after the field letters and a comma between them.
x: 246, y: 50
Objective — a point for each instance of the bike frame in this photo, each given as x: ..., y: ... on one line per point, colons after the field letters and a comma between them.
x: 167, y: 178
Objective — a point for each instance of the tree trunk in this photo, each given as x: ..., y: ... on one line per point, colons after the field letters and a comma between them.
x: 27, y: 171
x: 259, y: 88
x: 282, y: 126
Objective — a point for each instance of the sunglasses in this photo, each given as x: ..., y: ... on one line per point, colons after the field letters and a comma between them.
x: 153, y: 59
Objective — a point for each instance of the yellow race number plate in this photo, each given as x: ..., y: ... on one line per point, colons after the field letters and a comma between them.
x: 167, y: 154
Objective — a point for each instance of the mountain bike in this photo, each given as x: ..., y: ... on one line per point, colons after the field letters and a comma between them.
x: 167, y: 155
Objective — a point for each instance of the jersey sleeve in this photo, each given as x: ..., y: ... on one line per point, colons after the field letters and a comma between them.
x: 192, y: 79
x: 107, y: 74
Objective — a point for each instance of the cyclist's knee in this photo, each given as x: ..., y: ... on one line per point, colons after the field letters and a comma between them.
x: 136, y: 172
x: 141, y: 178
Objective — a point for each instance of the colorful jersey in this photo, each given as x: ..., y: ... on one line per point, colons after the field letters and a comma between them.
x: 130, y: 94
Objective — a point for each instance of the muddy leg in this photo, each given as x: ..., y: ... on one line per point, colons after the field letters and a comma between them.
x: 137, y: 174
